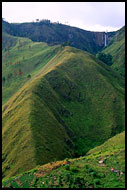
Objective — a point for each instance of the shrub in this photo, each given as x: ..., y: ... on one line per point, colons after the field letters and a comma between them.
x: 29, y: 76
x: 79, y: 182
x: 101, y: 175
x: 90, y: 170
x: 74, y: 169
x: 93, y: 174
x: 106, y: 58
x: 67, y: 177
x: 86, y: 166
x: 60, y: 181
x: 67, y: 167
x: 3, y: 79
x: 96, y: 181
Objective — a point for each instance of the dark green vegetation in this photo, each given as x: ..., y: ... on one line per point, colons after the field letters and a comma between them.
x: 84, y: 172
x: 116, y: 48
x: 106, y: 58
x: 56, y: 33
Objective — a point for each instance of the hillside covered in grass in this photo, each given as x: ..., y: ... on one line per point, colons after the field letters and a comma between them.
x: 21, y: 60
x: 102, y: 167
x: 71, y: 104
x: 56, y: 33
x: 117, y: 49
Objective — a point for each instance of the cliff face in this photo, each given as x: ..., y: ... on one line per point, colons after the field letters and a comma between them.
x: 100, y: 38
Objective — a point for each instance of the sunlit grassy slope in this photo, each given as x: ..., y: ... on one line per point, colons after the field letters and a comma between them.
x: 72, y: 104
x: 117, y: 49
x: 83, y: 172
x: 22, y: 55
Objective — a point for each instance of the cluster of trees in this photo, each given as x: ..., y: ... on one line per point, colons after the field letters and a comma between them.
x: 106, y: 58
x: 46, y: 21
x: 43, y: 21
x: 10, y: 75
x: 15, y: 63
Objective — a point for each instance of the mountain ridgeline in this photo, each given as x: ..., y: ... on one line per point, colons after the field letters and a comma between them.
x: 56, y: 33
x: 60, y: 101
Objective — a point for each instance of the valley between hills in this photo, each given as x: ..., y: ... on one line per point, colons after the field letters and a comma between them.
x: 63, y: 109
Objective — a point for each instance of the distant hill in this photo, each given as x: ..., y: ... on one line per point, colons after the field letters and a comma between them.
x: 72, y: 103
x: 56, y: 33
x: 90, y: 171
x: 21, y: 60
x: 116, y: 48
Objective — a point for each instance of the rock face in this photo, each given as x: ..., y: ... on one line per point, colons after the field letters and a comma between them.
x: 100, y: 38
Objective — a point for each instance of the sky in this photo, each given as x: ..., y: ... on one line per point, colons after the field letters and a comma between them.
x: 92, y: 16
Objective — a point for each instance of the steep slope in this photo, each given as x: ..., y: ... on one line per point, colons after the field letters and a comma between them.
x: 56, y: 33
x: 90, y: 171
x: 21, y: 60
x: 73, y: 104
x: 117, y: 49
x: 17, y: 143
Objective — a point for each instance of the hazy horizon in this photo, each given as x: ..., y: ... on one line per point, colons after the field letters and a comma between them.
x: 91, y: 16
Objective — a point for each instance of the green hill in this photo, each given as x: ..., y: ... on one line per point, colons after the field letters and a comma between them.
x: 56, y: 33
x: 21, y: 60
x: 71, y: 104
x: 90, y: 171
x: 117, y: 49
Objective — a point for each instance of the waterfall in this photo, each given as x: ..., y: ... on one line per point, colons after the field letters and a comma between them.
x: 105, y: 40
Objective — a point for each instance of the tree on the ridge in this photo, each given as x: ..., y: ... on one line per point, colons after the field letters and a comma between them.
x: 29, y: 76
x: 3, y: 80
x: 20, y: 72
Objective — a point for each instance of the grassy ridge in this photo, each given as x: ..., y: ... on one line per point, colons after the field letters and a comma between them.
x: 82, y: 92
x: 25, y: 56
x: 73, y: 104
x: 114, y: 144
x: 17, y: 144
x: 84, y: 172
